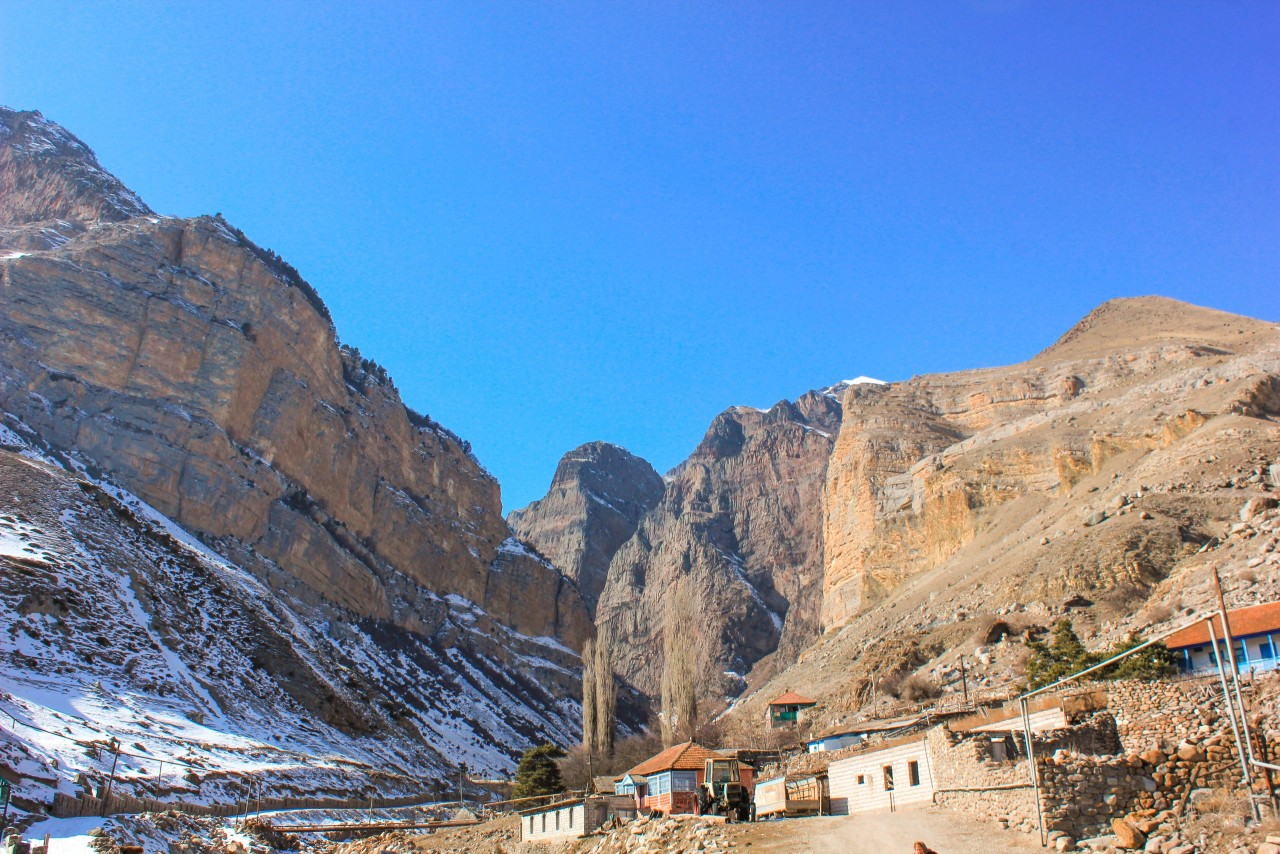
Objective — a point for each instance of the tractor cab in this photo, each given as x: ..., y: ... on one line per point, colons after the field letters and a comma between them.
x: 722, y: 790
x: 722, y: 771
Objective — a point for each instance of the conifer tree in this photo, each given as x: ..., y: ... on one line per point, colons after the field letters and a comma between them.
x: 538, y: 773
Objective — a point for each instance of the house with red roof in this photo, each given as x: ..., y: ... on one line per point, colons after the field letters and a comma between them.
x: 670, y: 781
x: 1254, y: 631
x: 788, y: 709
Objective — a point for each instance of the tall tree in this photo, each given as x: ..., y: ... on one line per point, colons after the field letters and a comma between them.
x: 589, y: 700
x: 606, y: 694
x: 679, y: 715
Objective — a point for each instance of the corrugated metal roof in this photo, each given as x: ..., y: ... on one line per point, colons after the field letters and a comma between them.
x: 867, y: 727
x: 1254, y: 620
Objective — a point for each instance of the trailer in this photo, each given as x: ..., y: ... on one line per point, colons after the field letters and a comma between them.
x: 794, y: 794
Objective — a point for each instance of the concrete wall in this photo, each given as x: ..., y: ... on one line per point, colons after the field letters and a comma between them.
x: 567, y: 822
x: 849, y: 796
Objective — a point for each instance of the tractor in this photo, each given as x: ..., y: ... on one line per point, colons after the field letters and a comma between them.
x: 722, y: 791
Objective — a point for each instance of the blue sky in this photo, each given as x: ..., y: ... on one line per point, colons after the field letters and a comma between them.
x: 561, y: 222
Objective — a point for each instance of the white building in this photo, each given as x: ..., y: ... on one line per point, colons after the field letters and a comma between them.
x: 573, y: 818
x: 886, y: 779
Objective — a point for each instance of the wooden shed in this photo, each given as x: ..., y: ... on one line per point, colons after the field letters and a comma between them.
x: 793, y: 794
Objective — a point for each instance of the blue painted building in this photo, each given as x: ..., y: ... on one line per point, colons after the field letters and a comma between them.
x: 1256, y: 634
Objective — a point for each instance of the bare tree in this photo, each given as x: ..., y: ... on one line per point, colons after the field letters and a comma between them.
x: 589, y: 701
x: 606, y: 694
x: 679, y: 671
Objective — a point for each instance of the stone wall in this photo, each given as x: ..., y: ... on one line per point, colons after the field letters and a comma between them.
x: 970, y: 778
x: 1163, y: 714
x: 1081, y: 794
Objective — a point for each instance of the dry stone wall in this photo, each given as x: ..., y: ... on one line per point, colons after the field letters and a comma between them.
x: 1151, y: 714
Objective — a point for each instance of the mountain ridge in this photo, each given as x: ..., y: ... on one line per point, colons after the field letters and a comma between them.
x: 176, y: 362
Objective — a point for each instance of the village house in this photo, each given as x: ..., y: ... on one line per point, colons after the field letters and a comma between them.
x: 788, y: 710
x: 669, y: 782
x: 903, y: 770
x: 894, y: 774
x: 1254, y: 631
x: 573, y: 818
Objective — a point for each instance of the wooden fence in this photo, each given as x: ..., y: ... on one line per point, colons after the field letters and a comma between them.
x: 66, y: 806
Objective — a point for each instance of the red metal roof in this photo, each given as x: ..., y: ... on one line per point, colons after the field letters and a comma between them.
x: 791, y: 698
x: 681, y: 757
x: 1253, y: 620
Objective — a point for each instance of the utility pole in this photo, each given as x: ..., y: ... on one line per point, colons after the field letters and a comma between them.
x: 964, y: 680
x: 111, y: 779
x: 4, y: 795
x: 462, y: 772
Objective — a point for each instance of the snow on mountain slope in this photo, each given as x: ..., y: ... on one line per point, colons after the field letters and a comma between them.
x: 122, y: 625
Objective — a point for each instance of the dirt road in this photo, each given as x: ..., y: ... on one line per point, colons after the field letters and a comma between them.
x: 888, y: 833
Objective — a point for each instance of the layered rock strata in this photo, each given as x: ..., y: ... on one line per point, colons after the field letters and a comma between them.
x: 597, y: 497
x: 180, y: 361
x: 740, y: 525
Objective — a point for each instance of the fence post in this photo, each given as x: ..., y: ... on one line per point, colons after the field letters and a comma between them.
x: 111, y: 779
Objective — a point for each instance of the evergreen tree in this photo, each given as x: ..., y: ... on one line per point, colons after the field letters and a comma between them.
x: 538, y: 773
x: 1065, y: 655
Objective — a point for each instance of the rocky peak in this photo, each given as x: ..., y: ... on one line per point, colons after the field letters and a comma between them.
x: 741, y: 519
x: 1133, y: 323
x: 201, y: 372
x: 48, y: 174
x: 597, y: 497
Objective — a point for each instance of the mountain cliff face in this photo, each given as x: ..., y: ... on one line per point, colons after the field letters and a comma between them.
x: 180, y: 361
x: 920, y: 465
x: 597, y: 497
x: 741, y: 520
x: 1098, y: 480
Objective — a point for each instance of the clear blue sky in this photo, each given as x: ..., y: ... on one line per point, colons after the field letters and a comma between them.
x: 559, y: 222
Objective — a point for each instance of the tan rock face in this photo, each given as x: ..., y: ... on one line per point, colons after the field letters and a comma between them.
x: 921, y: 466
x: 597, y: 497
x: 203, y: 374
x: 741, y: 518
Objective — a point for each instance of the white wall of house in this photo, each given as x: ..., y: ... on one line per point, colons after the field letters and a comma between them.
x: 861, y: 783
x: 563, y: 823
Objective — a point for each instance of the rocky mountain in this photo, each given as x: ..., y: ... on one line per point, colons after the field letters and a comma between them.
x: 177, y: 361
x: 1098, y: 480
x: 597, y: 497
x: 879, y: 530
x: 741, y: 520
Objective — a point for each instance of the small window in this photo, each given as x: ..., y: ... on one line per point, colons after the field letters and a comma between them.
x: 861, y: 780
x: 557, y: 819
x: 544, y: 822
x: 913, y: 772
x: 571, y: 819
x: 531, y: 824
x: 1266, y: 650
x: 888, y: 778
